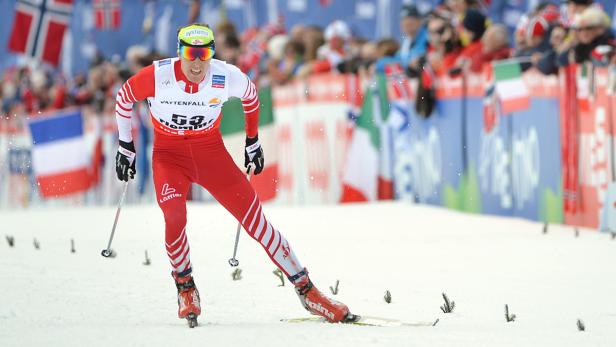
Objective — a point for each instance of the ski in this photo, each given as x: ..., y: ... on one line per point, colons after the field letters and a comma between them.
x: 366, y: 321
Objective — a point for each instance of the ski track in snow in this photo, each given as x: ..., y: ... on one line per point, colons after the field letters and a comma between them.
x: 51, y: 297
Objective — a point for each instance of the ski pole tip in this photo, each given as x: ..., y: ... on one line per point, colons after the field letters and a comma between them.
x: 108, y: 253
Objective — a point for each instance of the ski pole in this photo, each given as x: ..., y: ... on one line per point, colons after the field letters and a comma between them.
x: 233, y: 261
x: 107, y: 252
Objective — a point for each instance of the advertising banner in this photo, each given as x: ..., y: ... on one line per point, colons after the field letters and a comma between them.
x: 487, y: 179
x: 594, y: 141
x: 428, y: 160
x: 453, y: 158
x: 535, y: 152
x: 312, y: 130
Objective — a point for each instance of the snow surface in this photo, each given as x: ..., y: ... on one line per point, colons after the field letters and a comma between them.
x: 51, y: 297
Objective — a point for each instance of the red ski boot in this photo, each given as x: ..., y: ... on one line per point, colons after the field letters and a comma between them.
x: 189, y: 304
x: 318, y: 304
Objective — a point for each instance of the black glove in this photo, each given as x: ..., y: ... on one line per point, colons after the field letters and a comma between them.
x: 254, y: 154
x: 125, y: 160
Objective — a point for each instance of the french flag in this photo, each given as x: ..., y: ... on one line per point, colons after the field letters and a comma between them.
x: 60, y: 158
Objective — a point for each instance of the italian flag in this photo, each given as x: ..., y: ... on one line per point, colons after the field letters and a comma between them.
x: 510, y: 86
x: 368, y: 173
x: 234, y: 135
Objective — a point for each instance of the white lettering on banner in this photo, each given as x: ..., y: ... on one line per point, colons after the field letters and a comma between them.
x: 365, y: 10
x: 493, y: 167
x: 426, y: 164
x: 398, y: 120
x: 297, y: 5
x: 402, y: 166
x: 526, y: 166
x: 234, y: 4
x: 593, y: 156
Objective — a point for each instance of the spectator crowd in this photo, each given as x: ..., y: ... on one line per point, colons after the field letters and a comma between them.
x: 453, y: 38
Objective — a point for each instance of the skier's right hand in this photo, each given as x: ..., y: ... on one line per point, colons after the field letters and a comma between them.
x: 125, y: 161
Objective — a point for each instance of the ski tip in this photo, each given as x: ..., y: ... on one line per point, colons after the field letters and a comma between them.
x: 436, y: 322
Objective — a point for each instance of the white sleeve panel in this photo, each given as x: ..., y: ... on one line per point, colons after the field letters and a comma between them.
x: 124, y: 110
x: 239, y: 84
x: 124, y: 129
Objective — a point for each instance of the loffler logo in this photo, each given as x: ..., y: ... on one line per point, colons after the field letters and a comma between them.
x: 319, y: 308
x: 168, y: 193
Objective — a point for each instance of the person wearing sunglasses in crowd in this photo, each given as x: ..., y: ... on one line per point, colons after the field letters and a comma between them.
x: 185, y: 97
x: 444, y: 45
x: 596, y: 41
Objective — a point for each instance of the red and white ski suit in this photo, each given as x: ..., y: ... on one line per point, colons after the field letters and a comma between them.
x: 188, y: 148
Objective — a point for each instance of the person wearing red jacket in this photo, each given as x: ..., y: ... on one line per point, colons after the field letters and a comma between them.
x: 185, y: 97
x: 474, y: 26
x: 494, y: 46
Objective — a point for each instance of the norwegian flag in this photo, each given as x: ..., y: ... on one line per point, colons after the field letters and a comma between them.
x: 38, y: 29
x: 490, y: 113
x: 107, y: 14
x: 398, y: 86
x: 490, y: 102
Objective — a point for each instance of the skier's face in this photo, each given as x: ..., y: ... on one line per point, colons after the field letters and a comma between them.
x: 195, y: 70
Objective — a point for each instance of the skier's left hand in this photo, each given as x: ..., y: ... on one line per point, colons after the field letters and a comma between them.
x: 254, y: 154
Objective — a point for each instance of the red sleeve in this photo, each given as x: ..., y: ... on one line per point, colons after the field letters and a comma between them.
x: 140, y: 86
x: 136, y: 89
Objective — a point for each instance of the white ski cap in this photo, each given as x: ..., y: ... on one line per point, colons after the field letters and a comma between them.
x: 339, y: 29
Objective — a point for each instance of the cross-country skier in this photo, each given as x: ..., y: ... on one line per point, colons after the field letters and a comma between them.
x: 185, y: 97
